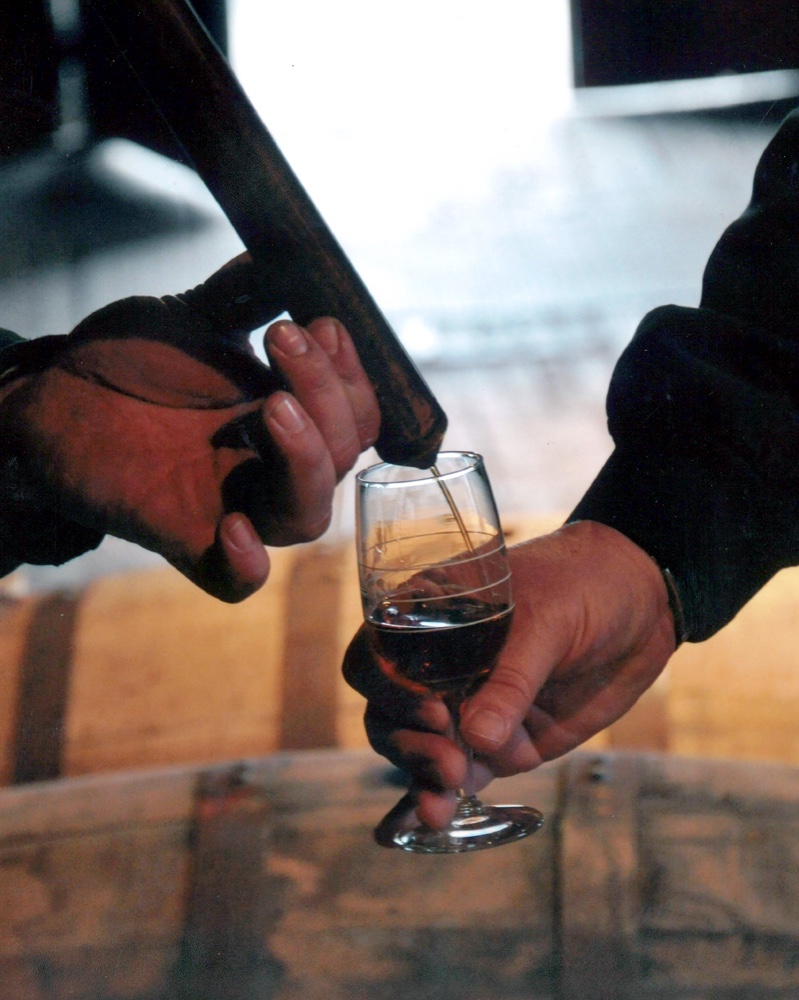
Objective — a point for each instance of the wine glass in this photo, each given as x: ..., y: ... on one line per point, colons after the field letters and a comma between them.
x: 436, y: 591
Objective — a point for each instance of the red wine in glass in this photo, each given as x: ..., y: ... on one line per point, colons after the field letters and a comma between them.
x: 438, y: 606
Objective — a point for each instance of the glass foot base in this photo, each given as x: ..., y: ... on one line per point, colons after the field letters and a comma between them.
x: 474, y: 827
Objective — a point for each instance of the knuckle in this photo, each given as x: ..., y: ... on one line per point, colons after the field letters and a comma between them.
x: 299, y: 531
x: 345, y: 454
x: 512, y: 684
x: 318, y: 527
x: 368, y: 429
x: 522, y: 757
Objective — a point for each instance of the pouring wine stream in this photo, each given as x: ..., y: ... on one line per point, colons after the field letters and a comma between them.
x: 464, y: 797
x: 454, y: 508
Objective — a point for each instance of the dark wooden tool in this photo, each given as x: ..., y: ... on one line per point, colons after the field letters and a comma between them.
x: 195, y: 90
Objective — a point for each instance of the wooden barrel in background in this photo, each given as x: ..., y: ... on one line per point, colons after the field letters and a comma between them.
x: 653, y: 877
x: 146, y: 670
x: 734, y: 696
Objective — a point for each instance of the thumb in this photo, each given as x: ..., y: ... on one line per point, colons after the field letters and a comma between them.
x: 490, y: 718
x: 237, y: 299
x: 235, y: 566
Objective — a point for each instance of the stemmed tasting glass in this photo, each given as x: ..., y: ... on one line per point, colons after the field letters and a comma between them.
x: 436, y: 591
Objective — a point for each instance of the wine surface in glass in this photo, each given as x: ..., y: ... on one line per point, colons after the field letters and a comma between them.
x: 444, y: 647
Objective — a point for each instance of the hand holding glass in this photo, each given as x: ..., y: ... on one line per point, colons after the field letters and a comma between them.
x: 436, y: 590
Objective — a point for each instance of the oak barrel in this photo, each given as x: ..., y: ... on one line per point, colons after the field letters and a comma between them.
x: 653, y: 877
x: 145, y: 670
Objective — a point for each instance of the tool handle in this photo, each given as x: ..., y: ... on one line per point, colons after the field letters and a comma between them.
x: 194, y: 88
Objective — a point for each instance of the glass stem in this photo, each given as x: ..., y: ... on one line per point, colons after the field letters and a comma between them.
x: 453, y: 703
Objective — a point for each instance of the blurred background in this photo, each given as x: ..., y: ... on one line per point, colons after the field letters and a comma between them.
x: 518, y: 183
x: 517, y: 190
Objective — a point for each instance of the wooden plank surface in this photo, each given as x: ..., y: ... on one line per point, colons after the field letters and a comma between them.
x: 653, y: 877
x: 596, y: 874
x: 344, y: 917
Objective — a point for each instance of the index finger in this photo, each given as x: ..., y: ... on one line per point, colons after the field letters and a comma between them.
x: 310, y: 476
x: 336, y: 342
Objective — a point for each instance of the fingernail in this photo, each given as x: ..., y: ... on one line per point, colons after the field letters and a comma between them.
x: 240, y: 535
x: 487, y: 726
x: 288, y: 338
x: 326, y: 336
x: 288, y: 415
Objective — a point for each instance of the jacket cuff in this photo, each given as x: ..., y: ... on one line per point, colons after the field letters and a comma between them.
x: 720, y: 539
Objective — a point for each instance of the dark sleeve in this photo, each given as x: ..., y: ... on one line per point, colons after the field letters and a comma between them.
x: 7, y: 338
x: 703, y: 408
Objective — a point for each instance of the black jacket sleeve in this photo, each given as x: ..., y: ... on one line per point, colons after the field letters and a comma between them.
x: 703, y: 408
x: 7, y: 338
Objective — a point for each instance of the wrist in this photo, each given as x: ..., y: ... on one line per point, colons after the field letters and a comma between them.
x: 675, y: 607
x: 31, y: 529
x: 651, y: 585
x: 720, y: 532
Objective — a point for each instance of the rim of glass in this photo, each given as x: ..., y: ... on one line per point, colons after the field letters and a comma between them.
x: 474, y: 460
